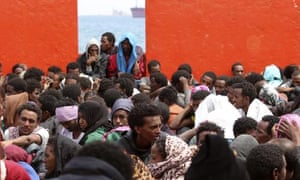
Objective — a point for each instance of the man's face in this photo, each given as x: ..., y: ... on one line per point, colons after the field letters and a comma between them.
x: 28, y: 121
x: 50, y: 160
x: 105, y: 44
x: 93, y: 50
x: 150, y: 131
x: 155, y: 69
x: 220, y: 86
x: 238, y: 70
x: 195, y: 104
x: 239, y: 100
x: 296, y: 80
x: 153, y: 84
x: 127, y: 47
x: 74, y: 71
x: 70, y: 125
x: 34, y: 96
x: 206, y: 80
x: 261, y: 133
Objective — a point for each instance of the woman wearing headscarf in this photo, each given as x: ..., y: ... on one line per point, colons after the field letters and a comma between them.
x: 119, y: 115
x: 59, y: 151
x: 93, y: 121
x: 170, y: 158
x: 216, y: 161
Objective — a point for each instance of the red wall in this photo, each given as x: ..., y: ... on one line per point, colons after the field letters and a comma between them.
x: 38, y: 33
x: 213, y: 34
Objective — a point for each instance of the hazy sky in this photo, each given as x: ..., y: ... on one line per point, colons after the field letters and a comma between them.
x: 105, y: 7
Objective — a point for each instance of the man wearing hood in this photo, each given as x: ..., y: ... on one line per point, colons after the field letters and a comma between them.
x: 91, y: 62
x: 130, y: 58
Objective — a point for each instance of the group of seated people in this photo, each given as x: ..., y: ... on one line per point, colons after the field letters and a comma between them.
x: 87, y: 124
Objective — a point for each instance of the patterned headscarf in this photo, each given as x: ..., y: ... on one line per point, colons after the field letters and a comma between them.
x: 177, y: 161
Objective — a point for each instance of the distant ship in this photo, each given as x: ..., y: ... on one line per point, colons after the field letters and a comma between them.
x: 138, y: 12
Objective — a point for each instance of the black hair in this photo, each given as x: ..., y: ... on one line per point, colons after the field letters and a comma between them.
x: 16, y: 66
x: 48, y: 103
x: 140, y: 98
x: 85, y: 83
x: 72, y: 76
x: 290, y: 152
x: 34, y: 73
x: 152, y: 63
x: 168, y: 95
x: 272, y: 120
x: 289, y: 69
x: 248, y: 89
x: 244, y: 124
x: 65, y: 101
x: 128, y: 76
x: 137, y: 114
x: 54, y: 69
x: 296, y: 72
x: 165, y: 111
x: 30, y: 107
x: 176, y: 76
x: 209, y: 126
x: 72, y: 65
x: 235, y: 64
x: 234, y: 80
x: 105, y: 85
x: 72, y: 91
x: 110, y: 153
x: 33, y: 84
x: 210, y: 74
x: 54, y: 92
x: 263, y: 159
x: 110, y: 37
x: 223, y: 77
x: 160, y: 78
x: 254, y: 77
x: 185, y: 67
x: 200, y: 95
x: 110, y: 96
x: 18, y: 84
x: 126, y: 85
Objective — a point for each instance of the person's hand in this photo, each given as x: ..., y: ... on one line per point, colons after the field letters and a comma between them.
x: 6, y: 143
x: 91, y: 59
x: 290, y: 131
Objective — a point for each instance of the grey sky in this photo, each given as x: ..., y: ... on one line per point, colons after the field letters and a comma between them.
x: 106, y: 7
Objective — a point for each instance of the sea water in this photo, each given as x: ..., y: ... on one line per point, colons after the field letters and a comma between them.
x: 93, y: 26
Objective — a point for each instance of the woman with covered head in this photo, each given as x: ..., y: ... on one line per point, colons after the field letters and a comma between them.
x: 93, y: 121
x: 119, y: 115
x: 170, y: 158
x: 216, y: 161
x: 59, y: 151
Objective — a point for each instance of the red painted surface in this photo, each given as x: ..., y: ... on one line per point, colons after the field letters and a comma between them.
x: 212, y: 35
x: 38, y: 33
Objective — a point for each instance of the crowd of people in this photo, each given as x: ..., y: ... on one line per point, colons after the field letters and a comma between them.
x: 104, y: 117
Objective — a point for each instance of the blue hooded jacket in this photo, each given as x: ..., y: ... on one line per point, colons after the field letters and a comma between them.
x: 121, y: 62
